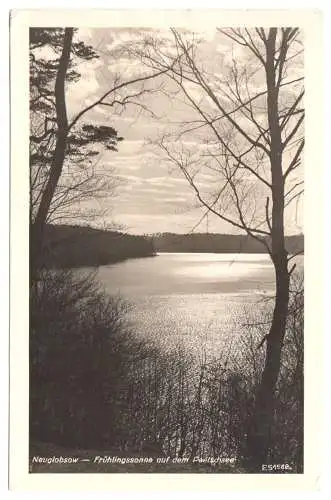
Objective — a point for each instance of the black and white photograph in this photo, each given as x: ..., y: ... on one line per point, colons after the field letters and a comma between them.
x: 166, y: 249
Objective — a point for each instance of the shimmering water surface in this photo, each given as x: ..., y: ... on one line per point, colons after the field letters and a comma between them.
x: 199, y: 300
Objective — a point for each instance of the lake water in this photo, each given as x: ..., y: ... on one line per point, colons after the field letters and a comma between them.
x: 197, y: 300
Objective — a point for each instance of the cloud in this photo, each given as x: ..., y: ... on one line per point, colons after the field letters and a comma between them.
x: 86, y: 90
x: 152, y: 191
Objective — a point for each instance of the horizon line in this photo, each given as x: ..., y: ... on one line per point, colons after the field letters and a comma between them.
x: 123, y: 231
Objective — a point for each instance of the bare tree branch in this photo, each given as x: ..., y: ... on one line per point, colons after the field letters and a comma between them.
x: 296, y: 159
x: 110, y: 91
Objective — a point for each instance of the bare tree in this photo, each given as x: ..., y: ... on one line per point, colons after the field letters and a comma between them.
x: 58, y: 143
x: 246, y: 119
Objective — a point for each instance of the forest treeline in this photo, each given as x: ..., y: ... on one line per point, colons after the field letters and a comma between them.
x: 78, y: 246
x: 68, y: 246
x: 219, y: 243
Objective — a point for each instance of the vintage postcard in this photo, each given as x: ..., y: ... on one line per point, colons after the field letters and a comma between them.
x: 165, y: 220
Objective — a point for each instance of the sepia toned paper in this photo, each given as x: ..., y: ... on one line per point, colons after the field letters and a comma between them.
x: 151, y: 201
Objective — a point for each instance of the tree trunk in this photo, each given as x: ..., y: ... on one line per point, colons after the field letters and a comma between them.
x: 37, y: 228
x: 258, y: 435
x: 258, y: 432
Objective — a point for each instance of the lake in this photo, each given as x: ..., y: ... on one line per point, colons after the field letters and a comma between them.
x: 196, y: 300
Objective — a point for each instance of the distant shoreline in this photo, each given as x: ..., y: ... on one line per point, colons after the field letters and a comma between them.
x: 67, y: 246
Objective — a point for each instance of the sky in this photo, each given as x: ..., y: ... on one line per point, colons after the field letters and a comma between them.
x: 153, y: 195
